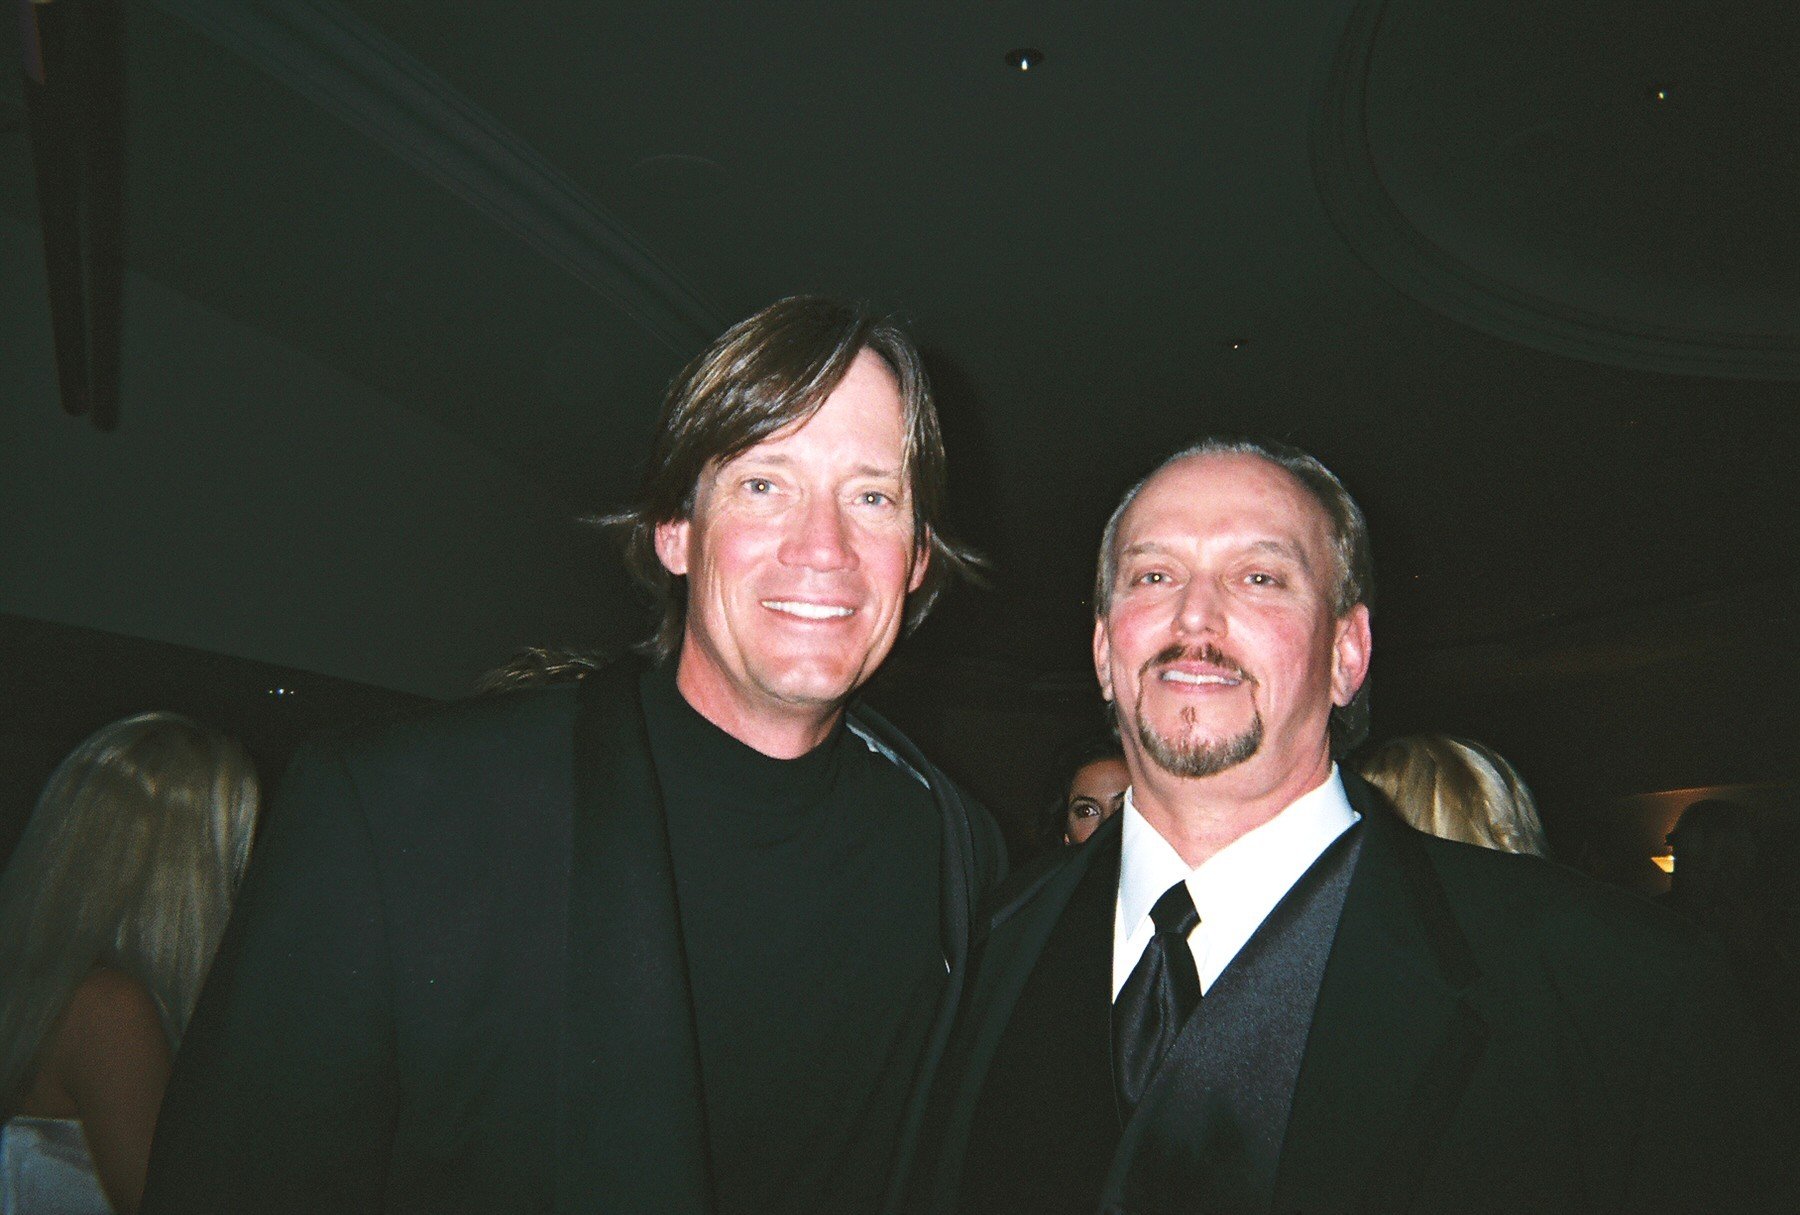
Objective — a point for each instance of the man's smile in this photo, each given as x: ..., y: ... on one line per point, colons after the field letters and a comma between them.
x: 1175, y: 675
x: 808, y: 611
x: 1206, y: 666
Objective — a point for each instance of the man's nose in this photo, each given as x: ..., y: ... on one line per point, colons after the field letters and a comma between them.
x: 820, y: 537
x: 1201, y: 609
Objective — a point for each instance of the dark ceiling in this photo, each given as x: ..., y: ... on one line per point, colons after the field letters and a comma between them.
x: 1525, y: 272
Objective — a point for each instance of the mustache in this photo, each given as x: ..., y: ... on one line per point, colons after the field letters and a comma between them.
x: 1210, y: 654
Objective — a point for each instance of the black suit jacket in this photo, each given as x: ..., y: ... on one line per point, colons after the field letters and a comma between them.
x: 1493, y: 1033
x: 454, y: 979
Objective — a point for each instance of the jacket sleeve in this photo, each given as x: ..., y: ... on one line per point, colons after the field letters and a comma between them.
x: 283, y: 1095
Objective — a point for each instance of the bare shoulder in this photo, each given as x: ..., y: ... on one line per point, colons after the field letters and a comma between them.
x: 112, y: 1059
x: 109, y: 1014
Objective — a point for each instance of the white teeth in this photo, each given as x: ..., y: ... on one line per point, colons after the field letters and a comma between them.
x: 806, y: 611
x: 1185, y: 677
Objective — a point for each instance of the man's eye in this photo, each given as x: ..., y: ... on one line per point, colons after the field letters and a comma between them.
x: 760, y: 485
x: 873, y: 497
x: 1151, y: 578
x: 1084, y: 809
x: 1260, y: 579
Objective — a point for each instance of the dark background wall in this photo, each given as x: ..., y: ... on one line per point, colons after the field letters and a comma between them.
x: 405, y: 281
x: 258, y: 504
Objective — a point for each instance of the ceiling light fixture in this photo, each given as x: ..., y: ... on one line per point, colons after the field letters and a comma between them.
x: 1024, y: 58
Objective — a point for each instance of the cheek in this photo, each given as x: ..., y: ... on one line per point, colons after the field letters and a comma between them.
x: 891, y: 565
x: 1136, y: 635
x: 1298, y: 654
x: 729, y: 552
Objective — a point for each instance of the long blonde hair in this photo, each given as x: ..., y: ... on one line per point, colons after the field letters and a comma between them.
x: 131, y: 859
x: 1457, y: 789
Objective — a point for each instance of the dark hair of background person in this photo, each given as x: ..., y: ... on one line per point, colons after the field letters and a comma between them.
x: 130, y: 862
x: 1354, y: 580
x: 1720, y: 879
x: 1728, y: 882
x: 1457, y: 789
x: 771, y: 371
x: 1052, y: 824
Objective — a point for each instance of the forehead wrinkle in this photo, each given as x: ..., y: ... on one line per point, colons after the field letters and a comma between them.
x: 1280, y: 548
x: 1284, y: 548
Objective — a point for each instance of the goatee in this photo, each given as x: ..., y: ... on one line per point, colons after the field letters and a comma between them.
x: 1198, y: 757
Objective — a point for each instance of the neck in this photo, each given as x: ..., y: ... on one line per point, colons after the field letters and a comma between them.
x: 780, y: 731
x: 1201, y: 816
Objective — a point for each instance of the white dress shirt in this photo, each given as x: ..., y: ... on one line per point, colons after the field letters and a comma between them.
x: 1235, y: 889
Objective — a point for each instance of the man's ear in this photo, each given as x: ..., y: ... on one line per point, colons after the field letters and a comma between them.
x: 921, y: 563
x: 1103, y: 658
x: 1350, y: 653
x: 672, y: 545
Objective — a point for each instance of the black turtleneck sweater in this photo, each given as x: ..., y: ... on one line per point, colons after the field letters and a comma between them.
x: 809, y: 892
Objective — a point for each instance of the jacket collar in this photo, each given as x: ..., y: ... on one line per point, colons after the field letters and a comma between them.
x: 631, y: 1115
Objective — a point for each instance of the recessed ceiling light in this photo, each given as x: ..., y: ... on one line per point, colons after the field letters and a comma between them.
x: 1024, y: 58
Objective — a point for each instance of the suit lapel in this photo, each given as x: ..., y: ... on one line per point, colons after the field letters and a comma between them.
x: 631, y: 1127
x: 1029, y: 907
x: 1394, y: 1037
x: 960, y: 880
x: 1046, y: 1119
x: 1021, y: 925
x: 960, y: 883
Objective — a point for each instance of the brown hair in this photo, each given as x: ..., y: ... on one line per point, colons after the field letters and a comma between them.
x: 768, y: 372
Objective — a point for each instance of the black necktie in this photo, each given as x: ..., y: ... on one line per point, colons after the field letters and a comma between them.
x: 1156, y: 1000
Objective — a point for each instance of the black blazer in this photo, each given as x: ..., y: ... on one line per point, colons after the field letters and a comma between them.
x: 1493, y: 1033
x: 454, y: 978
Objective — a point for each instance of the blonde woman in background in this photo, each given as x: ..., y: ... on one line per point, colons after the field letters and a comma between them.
x: 1457, y: 790
x: 110, y: 911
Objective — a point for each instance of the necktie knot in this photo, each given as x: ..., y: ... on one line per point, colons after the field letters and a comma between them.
x: 1158, y: 997
x: 1174, y: 912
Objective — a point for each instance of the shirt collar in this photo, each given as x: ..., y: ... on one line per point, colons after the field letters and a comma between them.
x: 1244, y: 880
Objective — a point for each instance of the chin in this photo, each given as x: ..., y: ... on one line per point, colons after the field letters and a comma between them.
x: 813, y: 687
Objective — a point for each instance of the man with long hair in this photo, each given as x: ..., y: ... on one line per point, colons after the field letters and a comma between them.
x: 685, y: 935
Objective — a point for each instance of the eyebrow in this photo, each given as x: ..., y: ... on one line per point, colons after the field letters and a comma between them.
x: 783, y: 460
